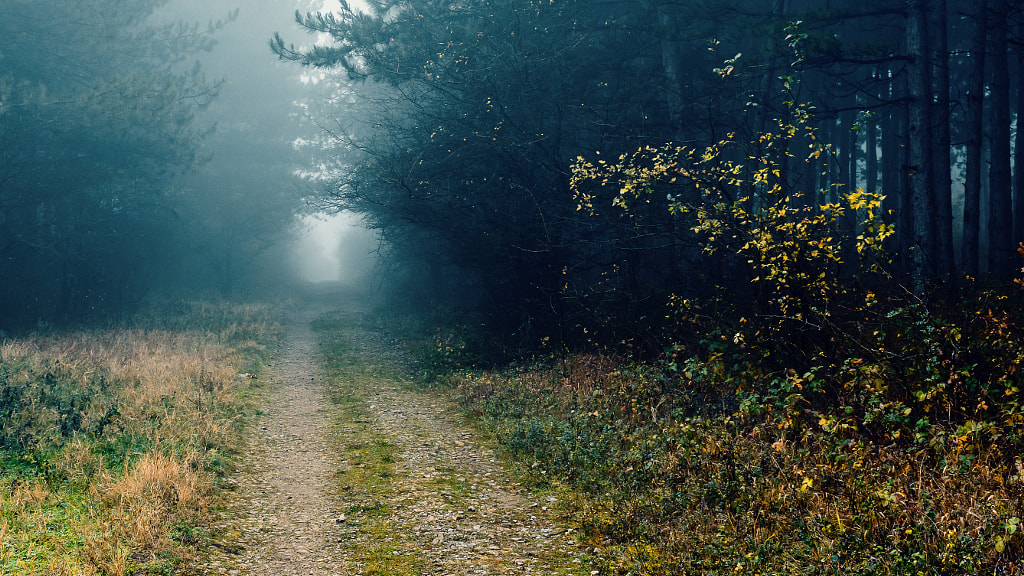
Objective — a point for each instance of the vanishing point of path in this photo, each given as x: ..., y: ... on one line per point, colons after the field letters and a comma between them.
x: 451, y: 508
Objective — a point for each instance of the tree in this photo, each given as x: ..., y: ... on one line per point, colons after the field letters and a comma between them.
x: 942, y: 185
x: 461, y: 120
x: 95, y: 116
x: 975, y: 132
x: 1002, y: 254
x: 920, y: 137
x: 476, y: 112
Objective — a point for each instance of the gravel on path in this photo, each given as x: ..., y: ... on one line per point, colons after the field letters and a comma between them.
x: 451, y: 506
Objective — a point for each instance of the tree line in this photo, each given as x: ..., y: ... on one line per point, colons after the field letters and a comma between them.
x: 106, y: 192
x: 464, y: 119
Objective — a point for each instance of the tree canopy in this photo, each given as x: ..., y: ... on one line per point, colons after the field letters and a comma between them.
x: 468, y: 116
x: 116, y: 179
x: 96, y: 115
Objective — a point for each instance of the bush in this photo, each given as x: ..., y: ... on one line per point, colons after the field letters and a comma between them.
x: 892, y: 450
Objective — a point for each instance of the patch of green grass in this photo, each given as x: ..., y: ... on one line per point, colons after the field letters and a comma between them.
x: 367, y: 479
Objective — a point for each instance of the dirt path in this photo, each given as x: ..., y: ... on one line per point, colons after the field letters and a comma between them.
x: 445, y: 507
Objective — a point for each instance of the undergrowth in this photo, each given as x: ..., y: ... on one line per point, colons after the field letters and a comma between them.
x: 112, y: 440
x: 810, y: 417
x: 893, y: 445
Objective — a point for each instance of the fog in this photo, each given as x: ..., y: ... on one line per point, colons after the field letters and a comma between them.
x: 211, y: 147
x: 264, y: 99
x: 163, y: 148
x: 335, y: 248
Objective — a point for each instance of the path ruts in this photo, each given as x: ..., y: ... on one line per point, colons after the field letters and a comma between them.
x: 450, y: 504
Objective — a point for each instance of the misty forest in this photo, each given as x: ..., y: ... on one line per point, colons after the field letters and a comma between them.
x: 537, y: 286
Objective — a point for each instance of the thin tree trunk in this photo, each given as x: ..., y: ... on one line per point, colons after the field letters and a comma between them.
x: 871, y: 167
x: 891, y: 153
x: 975, y: 137
x: 672, y: 64
x: 823, y: 166
x: 942, y: 185
x: 850, y: 152
x: 850, y: 177
x: 1001, y: 248
x: 919, y: 131
x: 828, y: 168
x: 906, y: 226
x: 1018, y: 164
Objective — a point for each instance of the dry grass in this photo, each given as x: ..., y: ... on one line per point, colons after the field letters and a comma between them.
x: 115, y: 438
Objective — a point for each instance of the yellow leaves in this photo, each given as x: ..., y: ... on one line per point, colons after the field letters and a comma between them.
x: 788, y: 243
x: 807, y: 484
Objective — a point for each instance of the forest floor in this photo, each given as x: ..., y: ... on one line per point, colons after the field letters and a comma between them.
x: 356, y: 471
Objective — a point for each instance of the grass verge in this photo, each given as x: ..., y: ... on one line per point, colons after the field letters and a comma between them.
x: 112, y: 440
x: 366, y: 479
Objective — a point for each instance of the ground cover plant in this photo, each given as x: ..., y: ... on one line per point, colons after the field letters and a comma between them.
x: 111, y: 440
x: 703, y: 463
x: 809, y: 414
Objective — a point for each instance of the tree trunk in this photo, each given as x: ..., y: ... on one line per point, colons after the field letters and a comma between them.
x: 1001, y: 249
x: 1018, y: 163
x: 891, y: 153
x: 850, y: 149
x: 825, y: 180
x: 871, y: 148
x: 975, y: 138
x: 942, y: 186
x: 919, y: 132
x: 672, y: 64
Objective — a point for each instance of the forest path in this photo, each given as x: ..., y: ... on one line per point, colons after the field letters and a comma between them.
x: 366, y: 475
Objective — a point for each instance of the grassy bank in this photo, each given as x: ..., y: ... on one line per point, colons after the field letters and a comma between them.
x: 112, y: 440
x: 892, y: 447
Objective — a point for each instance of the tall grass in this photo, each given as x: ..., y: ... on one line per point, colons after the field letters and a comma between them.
x: 112, y: 440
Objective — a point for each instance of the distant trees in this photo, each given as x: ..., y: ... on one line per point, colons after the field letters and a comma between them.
x: 107, y: 191
x: 476, y: 110
x: 234, y: 215
x: 94, y: 119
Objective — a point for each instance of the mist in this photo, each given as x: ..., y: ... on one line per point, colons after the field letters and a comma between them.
x: 187, y: 147
x: 335, y: 248
x: 267, y: 136
x: 161, y: 148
